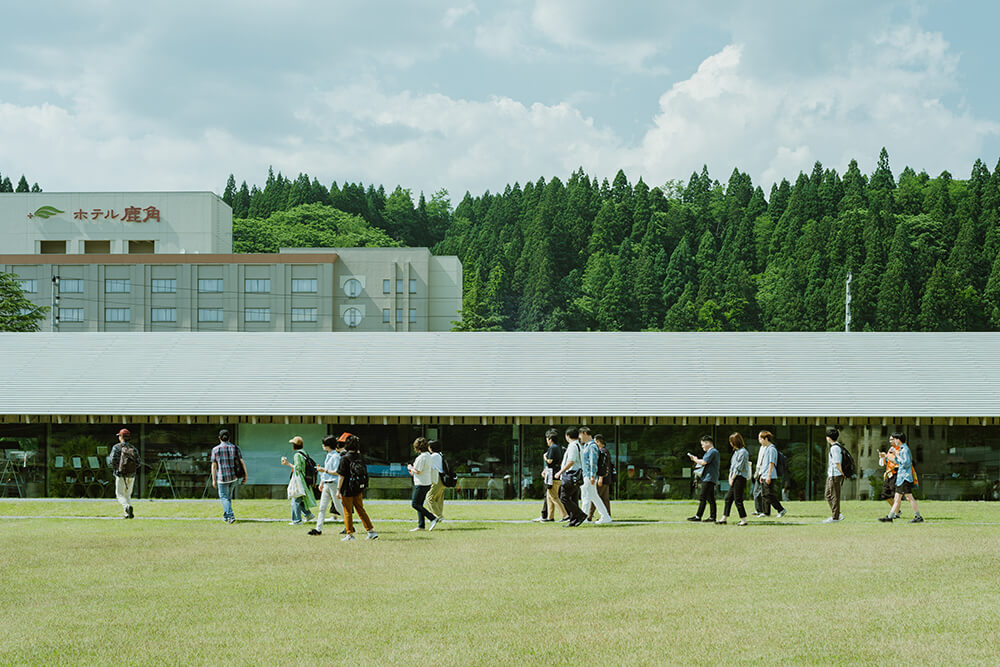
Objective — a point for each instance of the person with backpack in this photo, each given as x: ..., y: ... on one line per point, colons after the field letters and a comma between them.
x: 588, y: 491
x: 329, y: 482
x: 552, y: 459
x: 423, y: 476
x: 570, y: 474
x: 905, y: 480
x: 228, y: 468
x: 434, y: 503
x: 352, y: 484
x: 834, y: 475
x: 124, y: 460
x: 605, y: 477
x: 768, y: 473
x: 302, y: 499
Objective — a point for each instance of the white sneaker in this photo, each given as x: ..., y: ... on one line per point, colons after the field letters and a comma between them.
x: 435, y: 522
x: 538, y: 520
x: 829, y: 519
x: 347, y: 538
x: 782, y: 513
x: 840, y: 518
x: 372, y: 535
x: 606, y: 519
x: 413, y: 530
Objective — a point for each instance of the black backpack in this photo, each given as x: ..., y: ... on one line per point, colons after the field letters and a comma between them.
x: 310, y: 472
x: 847, y: 463
x: 448, y: 477
x: 128, y: 460
x: 357, y: 478
x: 781, y: 467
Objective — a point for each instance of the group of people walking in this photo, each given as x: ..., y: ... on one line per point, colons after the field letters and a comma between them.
x: 580, y: 472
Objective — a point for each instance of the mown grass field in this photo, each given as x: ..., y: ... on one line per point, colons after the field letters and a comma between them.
x: 651, y: 589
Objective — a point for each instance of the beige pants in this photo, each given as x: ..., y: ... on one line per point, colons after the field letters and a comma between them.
x: 434, y: 502
x: 123, y: 490
x: 552, y: 496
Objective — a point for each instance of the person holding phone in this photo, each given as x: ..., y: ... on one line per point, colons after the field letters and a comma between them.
x: 422, y: 471
x: 709, y: 478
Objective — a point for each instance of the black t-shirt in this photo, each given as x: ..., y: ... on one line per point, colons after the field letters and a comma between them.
x: 555, y: 454
x: 344, y: 470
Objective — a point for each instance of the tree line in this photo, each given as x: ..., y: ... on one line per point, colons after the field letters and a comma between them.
x: 922, y: 252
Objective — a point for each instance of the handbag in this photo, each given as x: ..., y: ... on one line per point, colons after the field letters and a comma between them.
x: 296, y: 488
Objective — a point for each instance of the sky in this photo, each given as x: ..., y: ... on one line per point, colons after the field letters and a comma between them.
x: 101, y: 95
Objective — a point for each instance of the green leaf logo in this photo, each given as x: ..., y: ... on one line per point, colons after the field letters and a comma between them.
x: 46, y: 212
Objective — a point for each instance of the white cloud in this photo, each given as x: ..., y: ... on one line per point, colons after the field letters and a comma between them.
x: 455, y: 14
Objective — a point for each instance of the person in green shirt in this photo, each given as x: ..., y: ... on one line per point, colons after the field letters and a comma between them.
x: 301, y: 505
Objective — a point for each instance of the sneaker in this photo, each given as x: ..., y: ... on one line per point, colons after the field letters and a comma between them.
x: 129, y: 512
x: 782, y: 513
x: 311, y: 517
x: 548, y: 520
x: 372, y: 535
x: 757, y: 514
x: 840, y: 518
x: 886, y: 519
x: 413, y: 530
x: 710, y: 519
x: 294, y: 523
x: 895, y: 516
x: 314, y: 532
x: 694, y: 518
x: 605, y: 520
x: 539, y: 520
x: 829, y: 519
x: 230, y: 520
x: 565, y: 518
x: 435, y: 522
x: 347, y: 538
x: 721, y: 522
x: 917, y: 519
x: 742, y: 522
x: 343, y: 532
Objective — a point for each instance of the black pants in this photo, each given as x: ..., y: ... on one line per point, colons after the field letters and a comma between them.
x: 545, y: 504
x: 736, y: 494
x: 707, y: 496
x: 772, y: 496
x: 569, y: 494
x: 419, y: 493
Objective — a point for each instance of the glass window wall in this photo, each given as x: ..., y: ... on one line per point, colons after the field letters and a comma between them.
x: 22, y: 461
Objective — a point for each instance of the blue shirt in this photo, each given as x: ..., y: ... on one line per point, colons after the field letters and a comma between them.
x: 711, y: 471
x: 740, y: 463
x: 770, y: 456
x: 905, y: 461
x: 590, y: 454
x: 225, y: 455
x: 331, y: 463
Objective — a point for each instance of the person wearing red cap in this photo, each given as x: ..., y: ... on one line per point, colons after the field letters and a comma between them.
x: 124, y: 460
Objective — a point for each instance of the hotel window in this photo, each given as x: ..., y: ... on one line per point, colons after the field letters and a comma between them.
x: 210, y: 285
x: 304, y: 314
x: 352, y: 288
x: 117, y: 314
x: 118, y: 285
x: 52, y: 247
x: 257, y: 314
x: 141, y: 247
x: 97, y: 247
x: 257, y: 286
x: 413, y: 285
x: 307, y: 285
x: 352, y: 317
x: 413, y: 315
x: 71, y: 314
x: 164, y: 285
x: 29, y: 286
x: 70, y: 286
x: 386, y: 316
x: 210, y: 315
x: 399, y: 316
x: 164, y: 315
x: 399, y: 285
x: 386, y: 286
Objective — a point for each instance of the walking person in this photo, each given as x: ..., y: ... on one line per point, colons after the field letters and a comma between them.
x: 760, y: 506
x: 434, y: 503
x: 423, y: 476
x: 588, y: 490
x: 552, y: 459
x: 604, y: 475
x: 904, y: 480
x: 769, y: 473
x: 352, y: 481
x: 888, y: 461
x: 739, y: 475
x: 124, y: 461
x: 834, y: 475
x: 228, y: 470
x: 302, y: 505
x: 329, y: 481
x: 570, y: 473
x: 709, y: 478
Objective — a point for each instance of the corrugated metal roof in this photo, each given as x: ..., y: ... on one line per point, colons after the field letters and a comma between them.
x: 502, y: 374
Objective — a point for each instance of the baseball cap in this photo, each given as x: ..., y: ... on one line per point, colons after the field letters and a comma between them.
x: 125, y: 432
x: 344, y: 436
x: 296, y: 440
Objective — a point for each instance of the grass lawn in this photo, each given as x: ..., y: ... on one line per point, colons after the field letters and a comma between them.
x: 649, y: 589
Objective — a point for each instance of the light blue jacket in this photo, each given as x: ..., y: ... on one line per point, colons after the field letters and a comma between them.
x: 590, y: 453
x: 905, y: 460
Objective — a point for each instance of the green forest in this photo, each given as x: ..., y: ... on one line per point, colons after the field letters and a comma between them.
x: 697, y: 256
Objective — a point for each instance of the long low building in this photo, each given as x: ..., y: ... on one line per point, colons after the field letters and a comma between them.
x: 489, y: 398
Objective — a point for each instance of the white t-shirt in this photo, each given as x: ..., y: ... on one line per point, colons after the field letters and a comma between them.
x: 423, y: 471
